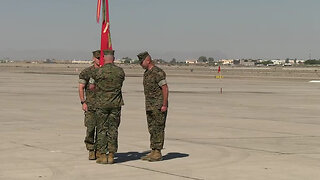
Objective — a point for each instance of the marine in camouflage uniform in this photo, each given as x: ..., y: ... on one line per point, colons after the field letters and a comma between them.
x: 108, y: 80
x: 156, y: 103
x: 88, y: 104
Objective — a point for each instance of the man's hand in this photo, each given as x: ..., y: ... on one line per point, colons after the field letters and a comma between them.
x: 85, y: 107
x: 164, y: 108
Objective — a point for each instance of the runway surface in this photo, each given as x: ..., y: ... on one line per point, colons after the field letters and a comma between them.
x: 259, y: 128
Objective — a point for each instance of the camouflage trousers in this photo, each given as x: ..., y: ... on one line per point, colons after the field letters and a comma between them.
x: 108, y: 121
x: 90, y: 122
x: 156, y: 124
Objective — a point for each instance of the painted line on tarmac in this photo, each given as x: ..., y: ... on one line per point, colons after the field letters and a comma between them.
x: 274, y: 120
x: 314, y: 81
x: 234, y: 147
x: 248, y: 129
x: 244, y: 148
x: 162, y: 172
x: 41, y: 148
x: 269, y: 137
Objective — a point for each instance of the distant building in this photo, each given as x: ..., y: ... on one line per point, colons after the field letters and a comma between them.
x: 192, y: 61
x: 81, y: 62
x: 4, y: 61
x: 201, y: 62
x: 295, y: 61
x: 278, y: 61
x: 247, y: 62
x: 119, y: 61
x: 236, y: 61
x: 159, y: 61
x: 49, y: 61
x: 291, y: 61
x: 226, y: 61
x: 287, y: 64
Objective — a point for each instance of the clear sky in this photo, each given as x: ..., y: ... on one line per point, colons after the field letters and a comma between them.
x: 67, y: 29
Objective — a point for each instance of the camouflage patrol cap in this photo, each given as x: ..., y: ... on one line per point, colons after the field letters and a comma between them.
x: 96, y: 54
x: 142, y: 56
x: 108, y: 52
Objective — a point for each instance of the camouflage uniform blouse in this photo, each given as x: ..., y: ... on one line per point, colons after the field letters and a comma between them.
x: 84, y: 78
x: 153, y: 80
x: 109, y: 79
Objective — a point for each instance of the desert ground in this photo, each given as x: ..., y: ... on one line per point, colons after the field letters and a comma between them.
x: 264, y: 125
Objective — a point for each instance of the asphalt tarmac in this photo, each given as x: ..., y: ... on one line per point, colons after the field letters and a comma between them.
x: 261, y: 127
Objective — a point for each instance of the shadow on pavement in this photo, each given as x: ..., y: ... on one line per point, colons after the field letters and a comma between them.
x: 132, y: 156
x: 129, y: 156
x: 174, y: 155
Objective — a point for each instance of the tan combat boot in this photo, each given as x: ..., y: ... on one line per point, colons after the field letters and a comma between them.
x: 110, y: 158
x: 147, y: 157
x: 92, y: 155
x: 102, y: 159
x: 156, y: 156
x: 98, y: 154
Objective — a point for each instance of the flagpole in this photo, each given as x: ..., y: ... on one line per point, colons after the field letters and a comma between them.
x: 220, y: 81
x: 220, y: 74
x: 105, y: 29
x: 219, y: 77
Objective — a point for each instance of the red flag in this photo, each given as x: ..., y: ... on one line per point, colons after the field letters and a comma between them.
x: 105, y: 31
x: 219, y: 69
